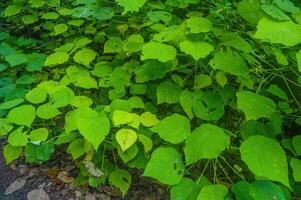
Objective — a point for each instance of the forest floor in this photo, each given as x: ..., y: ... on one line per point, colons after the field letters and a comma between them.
x: 54, y: 181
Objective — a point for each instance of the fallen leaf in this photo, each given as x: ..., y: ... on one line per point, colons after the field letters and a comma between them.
x: 64, y: 177
x: 93, y: 170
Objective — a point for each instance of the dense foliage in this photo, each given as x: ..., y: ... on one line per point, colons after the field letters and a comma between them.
x: 202, y: 96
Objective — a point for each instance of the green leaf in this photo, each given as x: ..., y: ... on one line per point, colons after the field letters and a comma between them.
x: 18, y: 138
x: 250, y: 11
x: 296, y: 142
x: 197, y: 49
x: 121, y: 117
x: 50, y: 15
x: 174, y: 129
x: 186, y: 102
x: 62, y: 97
x: 131, y: 5
x: 168, y: 92
x: 76, y: 148
x: 113, y: 45
x: 298, y: 56
x: 60, y: 28
x: 198, y: 24
x: 23, y: 115
x: 287, y: 6
x: 39, y: 135
x: 151, y: 70
x: 159, y: 51
x: 5, y: 127
x: 207, y: 141
x: 30, y: 19
x: 146, y: 142
x: 287, y: 33
x: 296, y: 166
x: 274, y: 12
x: 265, y: 158
x: 10, y: 104
x: 277, y: 91
x: 230, y: 62
x: 16, y: 59
x: 185, y: 190
x: 134, y: 43
x: 208, y: 106
x: 12, y: 10
x: 213, y: 192
x: 121, y: 179
x: 235, y: 41
x: 56, y: 58
x: 93, y: 126
x: 148, y: 119
x: 165, y: 165
x: 255, y: 106
x: 11, y: 153
x: 47, y: 111
x: 81, y: 101
x: 202, y: 81
x: 36, y: 95
x: 85, y: 56
x: 126, y: 138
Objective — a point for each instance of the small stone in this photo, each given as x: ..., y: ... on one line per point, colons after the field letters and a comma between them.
x: 33, y: 172
x: 90, y: 197
x: 78, y: 193
x: 13, y: 167
x: 103, y: 197
x: 38, y: 194
x: 64, y: 177
x: 15, y: 186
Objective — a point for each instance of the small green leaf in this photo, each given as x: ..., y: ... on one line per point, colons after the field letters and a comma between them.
x: 121, y: 179
x: 126, y: 138
x: 296, y: 166
x: 23, y: 115
x: 255, y: 106
x: 186, y: 100
x: 18, y: 138
x: 159, y: 51
x: 197, y: 49
x: 199, y: 24
x: 93, y: 126
x: 148, y: 119
x: 131, y: 5
x: 207, y: 141
x: 202, y: 81
x: 56, y: 58
x: 213, y: 192
x: 47, y: 111
x: 10, y: 104
x: 168, y: 92
x: 60, y: 28
x: 16, y: 59
x: 165, y: 165
x: 146, y: 141
x: 174, y: 129
x: 296, y: 142
x: 39, y: 135
x: 274, y: 12
x: 11, y: 153
x: 36, y: 95
x: 265, y: 158
x: 85, y: 56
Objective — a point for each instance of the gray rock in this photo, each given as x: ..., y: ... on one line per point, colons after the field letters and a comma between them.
x: 15, y: 186
x: 38, y: 194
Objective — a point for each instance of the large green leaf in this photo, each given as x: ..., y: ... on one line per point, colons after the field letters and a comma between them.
x: 10, y: 104
x: 56, y: 58
x: 168, y: 92
x: 160, y: 51
x: 85, y: 56
x: 23, y: 115
x: 165, y: 165
x: 174, y: 129
x: 255, y: 106
x: 265, y: 158
x: 287, y: 33
x: 93, y: 126
x: 197, y: 49
x: 18, y: 138
x: 11, y: 153
x: 296, y: 166
x: 126, y: 138
x: 131, y: 5
x: 199, y: 24
x: 250, y: 10
x: 121, y: 179
x: 207, y: 141
x: 230, y: 62
x: 213, y: 192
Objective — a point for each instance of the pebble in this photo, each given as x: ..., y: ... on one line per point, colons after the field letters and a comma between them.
x: 38, y: 194
x: 15, y: 186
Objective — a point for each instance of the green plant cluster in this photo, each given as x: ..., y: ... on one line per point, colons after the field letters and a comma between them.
x: 202, y: 96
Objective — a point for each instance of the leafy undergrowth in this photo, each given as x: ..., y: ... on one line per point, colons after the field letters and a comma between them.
x: 202, y: 96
